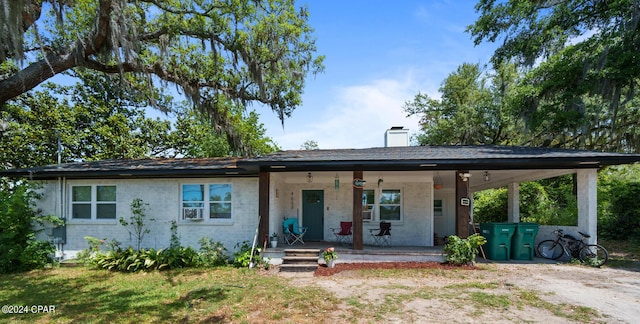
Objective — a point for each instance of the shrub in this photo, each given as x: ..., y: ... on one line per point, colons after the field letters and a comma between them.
x: 463, y: 251
x: 623, y: 221
x: 211, y: 253
x: 19, y: 249
x: 242, y: 257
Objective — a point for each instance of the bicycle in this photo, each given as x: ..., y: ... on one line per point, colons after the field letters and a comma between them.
x: 564, y: 244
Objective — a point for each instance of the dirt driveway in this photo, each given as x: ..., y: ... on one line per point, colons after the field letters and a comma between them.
x: 497, y: 292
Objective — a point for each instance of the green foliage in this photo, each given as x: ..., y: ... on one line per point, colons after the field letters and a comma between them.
x: 473, y: 109
x: 115, y: 127
x: 623, y: 221
x: 463, y: 251
x: 212, y: 254
x: 242, y: 257
x: 19, y: 249
x: 174, y: 241
x: 131, y: 260
x: 37, y: 254
x: 546, y: 202
x: 490, y: 206
x: 581, y: 65
x: 214, y: 52
x: 136, y: 224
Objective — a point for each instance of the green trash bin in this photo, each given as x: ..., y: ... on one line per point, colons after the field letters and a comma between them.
x: 523, y: 241
x: 498, y: 235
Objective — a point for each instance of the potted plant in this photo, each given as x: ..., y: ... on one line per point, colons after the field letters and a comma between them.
x: 274, y: 240
x: 330, y: 255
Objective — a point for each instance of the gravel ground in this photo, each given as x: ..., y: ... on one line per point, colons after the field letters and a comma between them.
x: 614, y: 294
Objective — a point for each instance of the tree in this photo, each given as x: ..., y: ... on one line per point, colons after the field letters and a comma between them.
x: 580, y: 57
x: 93, y: 122
x: 137, y: 225
x: 194, y: 136
x: 473, y: 109
x: 214, y: 51
x: 309, y: 145
x: 87, y: 122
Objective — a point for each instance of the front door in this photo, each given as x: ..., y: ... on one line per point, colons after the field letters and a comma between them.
x: 313, y: 214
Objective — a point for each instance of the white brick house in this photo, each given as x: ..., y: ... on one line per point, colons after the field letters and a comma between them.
x: 422, y: 191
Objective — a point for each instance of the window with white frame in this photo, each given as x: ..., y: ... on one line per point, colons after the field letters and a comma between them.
x: 93, y: 202
x: 206, y: 201
x: 368, y: 204
x: 390, y: 205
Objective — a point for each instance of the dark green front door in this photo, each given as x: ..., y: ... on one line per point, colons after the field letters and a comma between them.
x: 313, y: 214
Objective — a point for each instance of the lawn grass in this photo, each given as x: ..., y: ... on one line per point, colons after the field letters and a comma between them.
x: 249, y: 296
x: 212, y: 295
x: 622, y: 254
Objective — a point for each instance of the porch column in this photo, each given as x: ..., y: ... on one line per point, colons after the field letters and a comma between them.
x: 263, y: 206
x: 357, y: 213
x: 513, y: 202
x: 463, y: 211
x: 588, y: 202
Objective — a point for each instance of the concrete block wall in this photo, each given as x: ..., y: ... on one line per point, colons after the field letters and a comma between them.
x: 163, y: 197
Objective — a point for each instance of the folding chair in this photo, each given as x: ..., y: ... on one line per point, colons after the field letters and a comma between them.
x: 343, y: 234
x: 292, y: 231
x: 383, y: 237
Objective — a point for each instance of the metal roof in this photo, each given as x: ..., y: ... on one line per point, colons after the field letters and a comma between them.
x: 369, y: 159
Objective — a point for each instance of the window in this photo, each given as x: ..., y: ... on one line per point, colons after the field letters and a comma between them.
x: 390, y: 205
x: 368, y: 204
x: 220, y: 201
x: 216, y: 206
x: 93, y: 202
x: 437, y: 207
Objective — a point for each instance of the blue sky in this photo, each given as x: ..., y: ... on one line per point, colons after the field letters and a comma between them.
x: 379, y: 54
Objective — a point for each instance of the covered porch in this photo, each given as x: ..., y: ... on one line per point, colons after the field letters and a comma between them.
x: 424, y: 192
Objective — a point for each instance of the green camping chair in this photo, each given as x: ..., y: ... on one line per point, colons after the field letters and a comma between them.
x: 292, y: 231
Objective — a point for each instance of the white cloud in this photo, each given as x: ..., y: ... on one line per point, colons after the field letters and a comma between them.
x: 351, y: 117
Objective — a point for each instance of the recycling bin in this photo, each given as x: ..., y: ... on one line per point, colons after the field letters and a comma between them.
x: 523, y: 241
x: 498, y: 235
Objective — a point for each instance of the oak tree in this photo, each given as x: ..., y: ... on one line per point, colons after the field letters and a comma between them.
x: 213, y: 51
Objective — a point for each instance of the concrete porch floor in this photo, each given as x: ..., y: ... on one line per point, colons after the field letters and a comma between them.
x: 346, y: 254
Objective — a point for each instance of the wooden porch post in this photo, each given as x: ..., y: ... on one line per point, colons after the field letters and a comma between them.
x: 263, y: 206
x: 463, y: 212
x: 357, y: 213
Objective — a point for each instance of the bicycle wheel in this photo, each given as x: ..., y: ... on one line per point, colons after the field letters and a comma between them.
x: 550, y: 249
x: 594, y: 255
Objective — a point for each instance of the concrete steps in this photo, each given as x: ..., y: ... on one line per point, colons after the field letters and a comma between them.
x: 300, y: 260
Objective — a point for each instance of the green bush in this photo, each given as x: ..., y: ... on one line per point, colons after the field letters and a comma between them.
x: 623, y: 221
x: 463, y: 251
x: 242, y: 257
x: 546, y: 202
x: 19, y: 249
x: 131, y: 260
x: 212, y: 254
